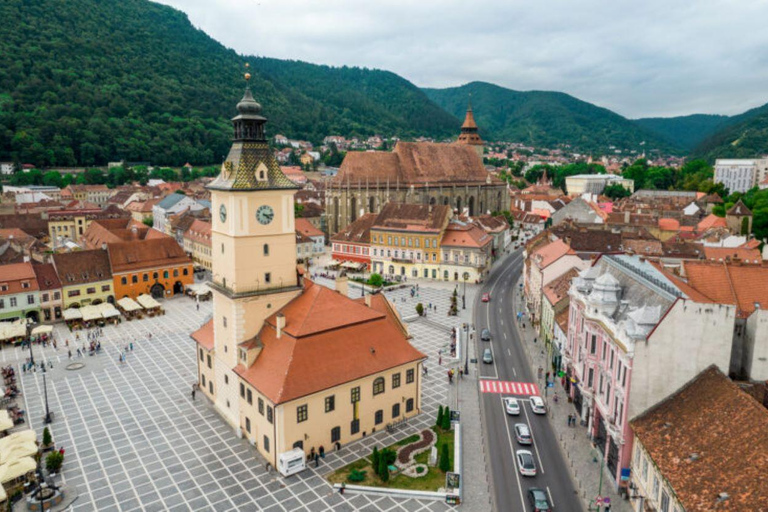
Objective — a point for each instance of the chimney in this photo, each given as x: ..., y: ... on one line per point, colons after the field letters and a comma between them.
x: 341, y: 285
x: 104, y: 246
x: 368, y: 300
x: 280, y: 324
x: 626, y: 217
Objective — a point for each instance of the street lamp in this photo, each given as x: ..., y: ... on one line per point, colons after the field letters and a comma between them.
x: 47, y: 419
x: 29, y: 341
x: 464, y: 293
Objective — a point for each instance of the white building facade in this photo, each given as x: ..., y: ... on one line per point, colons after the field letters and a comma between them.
x: 740, y: 175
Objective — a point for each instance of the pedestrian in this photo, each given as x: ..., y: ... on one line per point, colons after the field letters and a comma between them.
x: 534, y: 339
x: 569, y: 420
x: 341, y: 488
x: 79, y: 354
x: 69, y: 353
x: 193, y: 392
x: 317, y: 460
x: 131, y: 345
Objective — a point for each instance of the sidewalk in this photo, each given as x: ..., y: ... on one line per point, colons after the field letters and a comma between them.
x: 583, y: 460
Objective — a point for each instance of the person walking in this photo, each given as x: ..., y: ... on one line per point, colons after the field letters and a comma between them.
x: 193, y: 392
x: 69, y: 353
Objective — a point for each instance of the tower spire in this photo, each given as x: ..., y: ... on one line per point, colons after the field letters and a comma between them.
x: 469, y: 131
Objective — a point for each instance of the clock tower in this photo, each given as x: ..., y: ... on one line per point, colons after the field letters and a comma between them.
x: 253, y: 246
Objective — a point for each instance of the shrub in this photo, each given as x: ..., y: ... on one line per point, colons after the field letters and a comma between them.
x: 53, y: 462
x: 420, y: 309
x: 356, y: 476
x: 383, y: 470
x: 388, y: 456
x: 446, y: 425
x: 419, y: 469
x: 439, y: 421
x: 375, y: 280
x: 47, y: 440
x: 445, y: 460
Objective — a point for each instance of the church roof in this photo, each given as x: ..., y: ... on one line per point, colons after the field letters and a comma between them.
x: 240, y: 171
x: 739, y: 209
x: 415, y: 163
x: 328, y: 340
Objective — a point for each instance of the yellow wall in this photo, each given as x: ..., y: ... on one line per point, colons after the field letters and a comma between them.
x: 85, y: 298
x: 316, y: 430
x: 205, y: 375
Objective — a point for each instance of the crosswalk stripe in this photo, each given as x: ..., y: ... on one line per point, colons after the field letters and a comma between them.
x: 508, y: 387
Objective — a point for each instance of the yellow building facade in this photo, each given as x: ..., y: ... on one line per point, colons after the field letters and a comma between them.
x: 277, y: 347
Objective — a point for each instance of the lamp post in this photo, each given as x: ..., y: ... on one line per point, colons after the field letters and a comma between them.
x: 29, y: 341
x: 464, y: 293
x: 47, y: 419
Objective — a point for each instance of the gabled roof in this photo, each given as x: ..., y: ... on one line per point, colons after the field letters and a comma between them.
x: 739, y: 210
x: 745, y: 286
x: 550, y: 253
x: 706, y: 439
x: 358, y: 232
x: 146, y: 254
x: 459, y: 234
x: 306, y: 228
x: 47, y: 279
x: 170, y: 201
x: 81, y: 267
x: 711, y: 221
x: 412, y: 217
x: 328, y: 340
x: 557, y: 289
x: 14, y: 274
x: 733, y: 254
x: 204, y: 335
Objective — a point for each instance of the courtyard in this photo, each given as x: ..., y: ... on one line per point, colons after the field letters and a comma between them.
x: 136, y: 440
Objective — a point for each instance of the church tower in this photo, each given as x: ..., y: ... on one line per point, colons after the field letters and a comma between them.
x: 469, y: 131
x: 253, y: 247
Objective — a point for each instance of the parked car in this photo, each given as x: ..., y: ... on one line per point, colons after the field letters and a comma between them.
x: 525, y: 463
x: 485, y: 335
x: 487, y: 356
x: 486, y: 297
x: 523, y: 434
x: 539, y: 500
x: 537, y: 405
x: 512, y: 406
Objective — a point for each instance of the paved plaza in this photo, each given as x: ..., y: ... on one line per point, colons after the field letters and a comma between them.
x: 135, y: 439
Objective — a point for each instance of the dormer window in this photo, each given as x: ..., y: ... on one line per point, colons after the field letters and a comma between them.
x: 261, y: 172
x: 243, y: 355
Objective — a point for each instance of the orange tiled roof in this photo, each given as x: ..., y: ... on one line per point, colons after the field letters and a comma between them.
x: 551, y: 253
x: 733, y: 253
x: 412, y: 217
x: 47, y: 279
x: 14, y: 274
x: 669, y: 225
x: 729, y: 283
x: 557, y: 289
x: 204, y: 335
x: 711, y: 221
x: 467, y: 235
x: 358, y: 232
x: 306, y: 228
x: 561, y: 319
x: 328, y: 340
x: 709, y: 438
x: 752, y: 243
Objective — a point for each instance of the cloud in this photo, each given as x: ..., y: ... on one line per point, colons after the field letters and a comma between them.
x: 648, y: 58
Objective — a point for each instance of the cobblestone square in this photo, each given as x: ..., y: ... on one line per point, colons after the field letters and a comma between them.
x: 135, y: 439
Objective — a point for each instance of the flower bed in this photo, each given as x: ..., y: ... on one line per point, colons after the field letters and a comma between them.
x: 406, y: 454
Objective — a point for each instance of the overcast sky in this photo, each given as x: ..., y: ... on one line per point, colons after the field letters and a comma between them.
x: 640, y: 58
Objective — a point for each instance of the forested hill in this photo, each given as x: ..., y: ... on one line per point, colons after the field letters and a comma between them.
x: 544, y: 118
x: 83, y: 82
x: 686, y: 131
x: 746, y: 136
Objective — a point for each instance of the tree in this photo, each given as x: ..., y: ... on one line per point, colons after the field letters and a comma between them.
x: 383, y: 470
x: 445, y: 459
x: 47, y: 439
x: 439, y: 421
x: 149, y: 221
x: 180, y: 191
x: 53, y: 461
x: 375, y: 459
x: 745, y: 226
x: 53, y: 179
x: 446, y: 424
x: 298, y: 209
x: 375, y: 280
x: 420, y: 309
x: 616, y: 191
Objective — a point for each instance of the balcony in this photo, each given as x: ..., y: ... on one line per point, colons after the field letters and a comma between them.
x: 251, y: 291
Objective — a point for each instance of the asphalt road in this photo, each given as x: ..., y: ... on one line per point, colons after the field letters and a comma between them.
x: 510, y: 488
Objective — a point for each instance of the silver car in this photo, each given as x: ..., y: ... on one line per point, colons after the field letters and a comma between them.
x: 525, y: 463
x: 487, y: 356
x: 523, y: 434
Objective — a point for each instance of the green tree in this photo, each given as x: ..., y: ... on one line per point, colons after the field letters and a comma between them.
x: 375, y: 280
x: 53, y: 461
x: 420, y: 309
x: 745, y: 226
x: 149, y: 221
x: 383, y: 470
x: 375, y: 458
x: 53, y: 179
x: 446, y: 423
x: 47, y: 439
x: 445, y: 459
x: 439, y: 421
x: 298, y: 209
x: 616, y: 191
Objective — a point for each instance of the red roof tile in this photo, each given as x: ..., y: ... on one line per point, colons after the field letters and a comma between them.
x: 204, y: 335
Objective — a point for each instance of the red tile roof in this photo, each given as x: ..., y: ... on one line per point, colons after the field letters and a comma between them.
x: 557, y: 289
x: 47, y: 279
x: 14, y: 274
x: 711, y: 221
x: 146, y: 254
x: 706, y: 439
x: 551, y: 253
x: 669, y: 225
x: 358, y: 232
x: 729, y: 283
x: 204, y: 335
x: 328, y: 340
x: 465, y: 235
x: 306, y: 228
x: 733, y: 253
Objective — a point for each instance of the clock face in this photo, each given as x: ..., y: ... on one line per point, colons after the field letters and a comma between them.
x: 223, y: 213
x: 265, y: 214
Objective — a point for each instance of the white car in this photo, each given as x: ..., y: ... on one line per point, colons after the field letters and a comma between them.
x: 537, y: 405
x: 523, y: 434
x: 512, y: 406
x: 525, y: 463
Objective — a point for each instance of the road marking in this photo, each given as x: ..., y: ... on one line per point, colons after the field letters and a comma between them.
x: 514, y: 458
x: 509, y: 353
x: 505, y: 334
x: 551, y: 501
x: 533, y: 438
x: 514, y: 372
x: 508, y: 387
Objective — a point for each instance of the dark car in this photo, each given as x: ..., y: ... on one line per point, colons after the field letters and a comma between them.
x: 539, y: 500
x: 485, y: 335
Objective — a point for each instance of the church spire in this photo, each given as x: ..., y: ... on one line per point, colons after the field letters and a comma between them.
x: 249, y: 123
x: 469, y: 131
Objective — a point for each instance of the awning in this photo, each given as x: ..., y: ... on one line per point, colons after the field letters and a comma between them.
x: 42, y: 329
x: 18, y: 451
x: 128, y: 305
x: 352, y: 265
x: 10, y: 330
x: 5, y: 420
x: 90, y: 313
x: 198, y: 289
x: 16, y: 468
x: 147, y: 302
x: 107, y: 310
x: 73, y: 314
x: 16, y: 437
